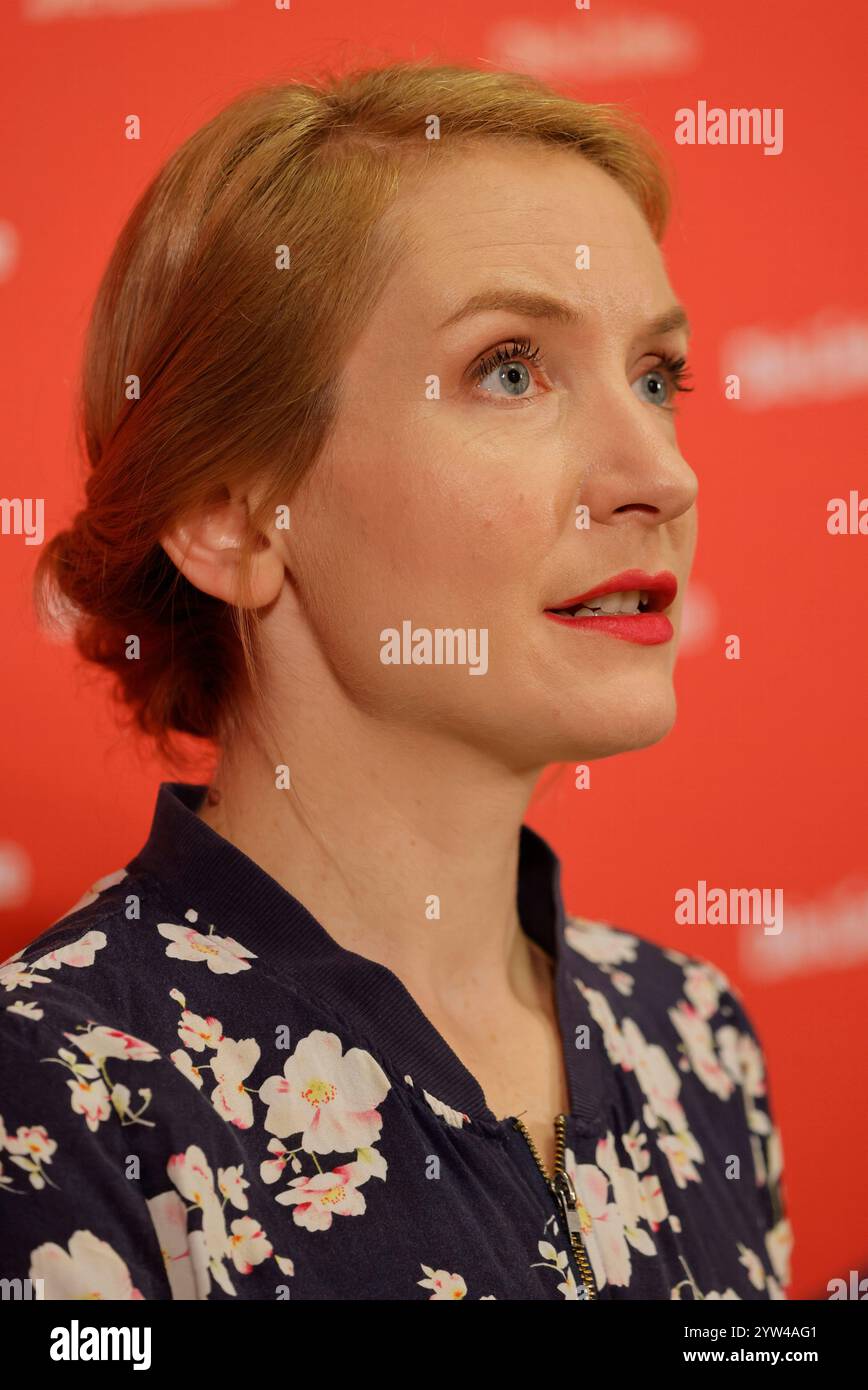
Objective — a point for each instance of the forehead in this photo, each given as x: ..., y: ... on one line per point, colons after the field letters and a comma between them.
x: 500, y: 206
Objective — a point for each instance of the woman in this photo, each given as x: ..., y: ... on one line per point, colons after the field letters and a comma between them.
x: 386, y: 501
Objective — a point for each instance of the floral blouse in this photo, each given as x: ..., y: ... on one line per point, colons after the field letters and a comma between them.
x: 202, y: 1095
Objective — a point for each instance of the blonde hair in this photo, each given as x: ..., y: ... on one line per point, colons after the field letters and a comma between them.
x: 238, y: 363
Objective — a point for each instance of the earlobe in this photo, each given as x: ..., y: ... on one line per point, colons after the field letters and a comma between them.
x: 207, y: 550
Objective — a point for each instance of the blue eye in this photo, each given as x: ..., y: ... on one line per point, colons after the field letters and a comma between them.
x: 660, y: 385
x: 656, y: 386
x: 513, y: 376
x: 508, y: 366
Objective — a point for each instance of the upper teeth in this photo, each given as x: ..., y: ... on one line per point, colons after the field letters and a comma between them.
x: 623, y: 602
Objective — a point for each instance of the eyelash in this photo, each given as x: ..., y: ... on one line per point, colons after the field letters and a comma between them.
x: 675, y: 368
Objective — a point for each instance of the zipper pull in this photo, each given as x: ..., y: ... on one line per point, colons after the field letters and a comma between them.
x: 566, y: 1195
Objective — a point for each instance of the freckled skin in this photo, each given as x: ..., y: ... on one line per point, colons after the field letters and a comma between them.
x: 461, y: 511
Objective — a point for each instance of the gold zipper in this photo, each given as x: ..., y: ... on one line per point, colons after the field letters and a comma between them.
x: 564, y: 1193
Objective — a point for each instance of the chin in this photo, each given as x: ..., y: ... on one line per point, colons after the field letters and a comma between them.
x: 615, y: 724
x: 630, y: 726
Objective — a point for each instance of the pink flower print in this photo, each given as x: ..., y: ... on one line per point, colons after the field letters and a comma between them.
x: 329, y: 1098
x: 78, y: 953
x: 232, y: 1185
x: 191, y: 1175
x: 231, y: 1064
x: 91, y: 1099
x: 681, y: 1149
x: 89, y: 1269
x: 222, y: 954
x: 197, y: 1033
x: 30, y: 1149
x: 184, y: 1062
x: 699, y: 1043
x: 656, y: 1075
x: 324, y: 1195
x: 445, y: 1285
x: 15, y: 973
x: 169, y: 1216
x: 248, y: 1244
x: 98, y: 1043
x: 271, y: 1168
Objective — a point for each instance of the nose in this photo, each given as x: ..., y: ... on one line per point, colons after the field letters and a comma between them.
x: 630, y: 463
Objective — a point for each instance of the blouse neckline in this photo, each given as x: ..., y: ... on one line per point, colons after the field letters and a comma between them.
x: 198, y: 869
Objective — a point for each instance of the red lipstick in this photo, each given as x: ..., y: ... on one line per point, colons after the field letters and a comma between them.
x: 648, y: 627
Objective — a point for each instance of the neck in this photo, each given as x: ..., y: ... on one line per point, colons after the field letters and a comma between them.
x: 383, y: 829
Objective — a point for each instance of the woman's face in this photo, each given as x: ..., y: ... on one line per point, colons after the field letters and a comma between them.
x: 449, y: 500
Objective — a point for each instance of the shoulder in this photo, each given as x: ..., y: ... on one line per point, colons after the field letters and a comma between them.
x: 77, y: 1068
x: 97, y: 983
x: 74, y: 995
x: 74, y: 957
x: 665, y: 987
x: 678, y: 1026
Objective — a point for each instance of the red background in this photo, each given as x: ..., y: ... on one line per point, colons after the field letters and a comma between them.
x: 762, y: 781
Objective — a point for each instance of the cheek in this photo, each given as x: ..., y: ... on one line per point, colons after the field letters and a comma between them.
x: 439, y: 542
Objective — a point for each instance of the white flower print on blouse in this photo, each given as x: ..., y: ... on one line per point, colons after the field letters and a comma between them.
x: 194, y: 1258
x: 743, y: 1061
x: 232, y: 1185
x: 90, y: 1268
x: 320, y: 1197
x: 611, y: 1228
x: 98, y: 1042
x: 690, y: 1283
x: 230, y: 1065
x: 222, y: 954
x: 18, y: 974
x: 446, y: 1285
x: 28, y: 1008
x: 703, y: 985
x: 660, y: 1083
x: 30, y: 1149
x: 724, y: 1061
x: 605, y: 947
x: 326, y: 1097
x: 755, y: 1272
x: 456, y: 1118
x: 93, y: 892
x: 698, y: 1041
x: 93, y: 1093
x: 558, y: 1261
x: 739, y: 1059
x: 79, y: 953
x: 330, y: 1100
x: 271, y: 1168
x: 186, y: 1066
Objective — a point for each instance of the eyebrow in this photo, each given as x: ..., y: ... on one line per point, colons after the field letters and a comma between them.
x: 535, y: 304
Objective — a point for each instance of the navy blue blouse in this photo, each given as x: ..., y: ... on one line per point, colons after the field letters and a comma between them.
x: 202, y: 1095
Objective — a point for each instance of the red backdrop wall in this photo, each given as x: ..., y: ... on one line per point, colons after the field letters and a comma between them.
x: 762, y: 781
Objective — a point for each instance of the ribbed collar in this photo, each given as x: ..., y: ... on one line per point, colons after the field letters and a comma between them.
x: 198, y: 868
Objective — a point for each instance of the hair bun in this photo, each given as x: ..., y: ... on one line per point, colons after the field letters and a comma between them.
x: 59, y: 609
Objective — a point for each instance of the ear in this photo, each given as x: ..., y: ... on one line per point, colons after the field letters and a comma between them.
x: 206, y: 547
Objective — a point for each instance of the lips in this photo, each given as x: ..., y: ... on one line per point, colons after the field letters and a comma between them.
x: 661, y: 590
x: 643, y: 620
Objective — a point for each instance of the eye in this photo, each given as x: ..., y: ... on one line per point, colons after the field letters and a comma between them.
x: 660, y: 384
x: 508, y: 368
